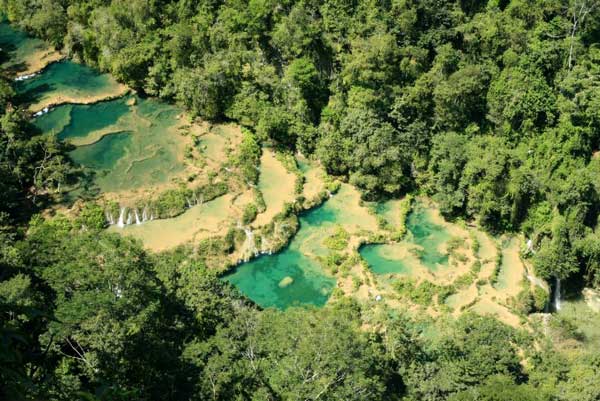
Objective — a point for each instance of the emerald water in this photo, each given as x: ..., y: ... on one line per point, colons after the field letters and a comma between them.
x: 124, y: 144
x: 67, y: 82
x: 104, y: 154
x: 131, y: 142
x: 17, y: 48
x: 385, y: 258
x: 421, y: 246
x: 261, y: 279
x: 428, y: 235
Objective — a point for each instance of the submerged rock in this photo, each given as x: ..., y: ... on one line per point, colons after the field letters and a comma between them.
x: 285, y: 282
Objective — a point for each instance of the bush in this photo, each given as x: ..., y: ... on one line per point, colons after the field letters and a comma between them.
x: 338, y: 241
x: 248, y: 157
x: 92, y: 217
x: 249, y: 214
x: 541, y: 298
x: 405, y: 209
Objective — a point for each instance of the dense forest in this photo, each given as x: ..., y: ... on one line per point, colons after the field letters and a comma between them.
x: 491, y: 108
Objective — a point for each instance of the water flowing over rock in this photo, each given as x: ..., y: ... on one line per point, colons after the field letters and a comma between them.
x: 109, y: 218
x: 530, y: 246
x: 121, y: 222
x: 137, y: 218
x: 129, y: 218
x: 25, y: 77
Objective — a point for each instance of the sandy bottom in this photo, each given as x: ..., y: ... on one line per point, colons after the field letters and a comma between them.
x: 488, y: 307
x: 40, y: 60
x: 199, y: 222
x: 215, y: 143
x: 313, y: 182
x: 277, y: 187
x: 113, y: 92
x: 512, y: 270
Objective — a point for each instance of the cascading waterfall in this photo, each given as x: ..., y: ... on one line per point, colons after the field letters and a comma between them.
x: 25, y: 77
x: 128, y: 216
x: 250, y: 244
x: 121, y: 222
x: 557, y: 301
x: 109, y: 218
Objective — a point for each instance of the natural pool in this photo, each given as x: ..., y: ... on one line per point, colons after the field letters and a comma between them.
x: 131, y: 142
x: 123, y: 144
x: 422, y: 245
x: 126, y: 143
x: 68, y: 82
x: 23, y: 54
x: 198, y: 222
x: 266, y: 280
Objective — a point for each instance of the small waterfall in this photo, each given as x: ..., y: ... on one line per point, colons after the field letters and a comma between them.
x: 25, y: 77
x: 137, y: 218
x: 121, y: 222
x: 189, y: 203
x: 129, y: 218
x: 557, y: 301
x: 249, y: 241
x: 109, y: 218
x: 145, y: 214
x: 530, y: 246
x: 249, y: 245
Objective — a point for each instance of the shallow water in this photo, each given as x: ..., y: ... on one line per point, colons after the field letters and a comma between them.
x: 200, y: 221
x: 67, y: 81
x: 421, y: 246
x: 428, y: 235
x: 260, y: 279
x: 104, y: 154
x: 125, y: 143
x: 512, y: 270
x: 19, y: 48
x: 276, y: 185
x: 386, y: 258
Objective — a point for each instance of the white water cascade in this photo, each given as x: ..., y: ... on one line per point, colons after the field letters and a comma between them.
x: 137, y: 218
x: 121, y: 222
x: 109, y: 218
x: 25, y: 77
x: 250, y: 244
x: 129, y: 218
x: 557, y: 301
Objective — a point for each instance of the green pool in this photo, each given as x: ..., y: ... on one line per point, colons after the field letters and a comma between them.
x: 421, y: 246
x: 124, y: 144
